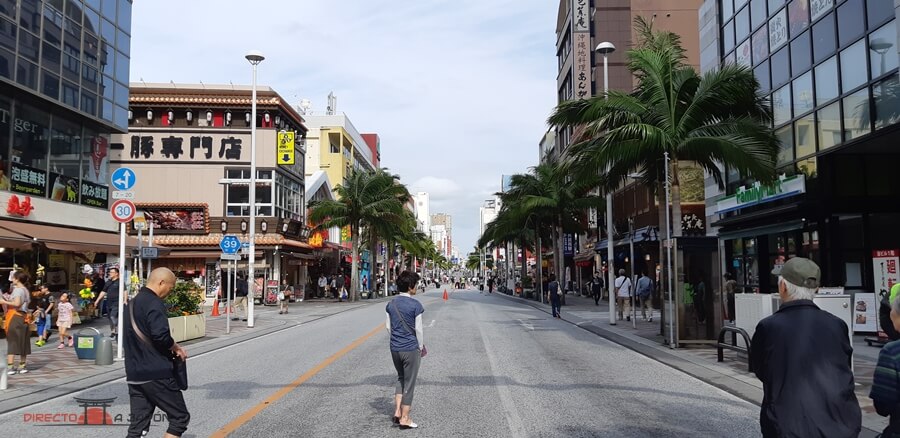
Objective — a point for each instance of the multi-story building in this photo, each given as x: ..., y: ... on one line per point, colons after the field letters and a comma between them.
x: 581, y: 26
x: 64, y: 70
x: 423, y: 207
x: 189, y: 147
x: 335, y: 146
x: 441, y: 238
x: 829, y: 69
x: 447, y: 221
x: 374, y: 143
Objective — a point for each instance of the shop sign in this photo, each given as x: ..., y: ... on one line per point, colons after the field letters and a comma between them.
x: 819, y: 7
x: 27, y: 180
x: 865, y: 310
x: 346, y: 237
x: 778, y: 30
x: 758, y: 193
x: 57, y: 260
x: 185, y: 149
x: 317, y: 239
x: 568, y: 244
x: 285, y: 148
x: 177, y: 219
x: 15, y: 207
x: 94, y: 195
x: 582, y: 48
x: 886, y: 265
x: 64, y: 188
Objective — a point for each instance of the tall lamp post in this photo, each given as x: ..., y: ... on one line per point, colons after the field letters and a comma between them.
x: 605, y: 48
x: 255, y: 57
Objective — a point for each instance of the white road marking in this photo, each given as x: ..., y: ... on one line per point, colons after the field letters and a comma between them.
x: 430, y: 324
x: 516, y: 427
x: 527, y: 325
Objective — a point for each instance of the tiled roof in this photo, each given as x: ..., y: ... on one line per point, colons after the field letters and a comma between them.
x: 212, y: 240
x: 204, y: 100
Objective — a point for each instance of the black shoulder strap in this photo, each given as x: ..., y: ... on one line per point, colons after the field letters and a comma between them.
x: 400, y: 316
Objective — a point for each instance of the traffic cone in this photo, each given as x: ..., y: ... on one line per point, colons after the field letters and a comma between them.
x: 445, y: 295
x: 215, y: 311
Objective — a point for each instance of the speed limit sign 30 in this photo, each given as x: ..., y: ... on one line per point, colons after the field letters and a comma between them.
x: 122, y: 210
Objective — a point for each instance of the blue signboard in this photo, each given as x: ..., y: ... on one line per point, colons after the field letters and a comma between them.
x: 230, y: 244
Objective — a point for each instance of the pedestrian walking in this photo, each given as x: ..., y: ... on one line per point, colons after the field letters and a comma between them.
x: 65, y: 313
x: 323, y: 284
x: 623, y: 294
x: 15, y: 324
x: 490, y: 282
x: 283, y: 295
x: 700, y: 298
x: 241, y: 290
x: 339, y: 286
x: 730, y: 289
x: 553, y: 296
x: 802, y: 356
x: 596, y: 288
x: 885, y: 391
x: 151, y: 365
x: 111, y: 293
x: 42, y: 315
x: 407, y: 345
x: 644, y: 292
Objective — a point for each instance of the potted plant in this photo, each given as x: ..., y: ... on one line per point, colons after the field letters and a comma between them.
x: 186, y: 319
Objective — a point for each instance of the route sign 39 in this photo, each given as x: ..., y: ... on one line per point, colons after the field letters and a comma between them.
x: 122, y: 210
x: 230, y: 244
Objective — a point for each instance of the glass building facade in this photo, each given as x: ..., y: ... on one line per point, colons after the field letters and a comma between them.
x: 64, y: 68
x: 829, y: 69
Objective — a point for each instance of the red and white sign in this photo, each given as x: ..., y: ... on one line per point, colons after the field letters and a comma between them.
x: 886, y: 265
x: 122, y: 210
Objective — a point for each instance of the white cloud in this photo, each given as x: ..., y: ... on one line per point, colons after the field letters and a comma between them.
x: 458, y: 90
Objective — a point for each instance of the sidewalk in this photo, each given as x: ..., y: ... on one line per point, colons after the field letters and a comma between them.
x: 701, y: 361
x: 55, y: 372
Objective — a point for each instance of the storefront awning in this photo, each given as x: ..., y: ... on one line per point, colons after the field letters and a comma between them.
x: 68, y: 239
x: 762, y: 231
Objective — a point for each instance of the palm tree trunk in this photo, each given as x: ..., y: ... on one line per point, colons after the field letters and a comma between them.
x: 676, y: 201
x: 354, y: 263
x: 539, y: 287
x: 561, y: 276
x: 523, y: 271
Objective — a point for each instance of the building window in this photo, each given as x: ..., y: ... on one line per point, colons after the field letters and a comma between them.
x: 852, y: 58
x: 762, y: 75
x: 760, y: 44
x: 30, y: 134
x: 803, y: 93
x: 237, y: 194
x: 883, y: 49
x: 742, y: 24
x: 801, y: 55
x: 757, y: 13
x: 781, y: 67
x: 851, y: 21
x: 798, y: 14
x: 781, y: 105
x: 27, y: 74
x: 887, y: 101
x: 65, y: 155
x: 727, y: 9
x: 49, y: 84
x: 828, y: 126
x: 878, y: 12
x: 826, y: 81
x: 824, y: 38
x: 856, y: 112
x: 805, y: 136
x: 728, y: 36
x: 786, y: 137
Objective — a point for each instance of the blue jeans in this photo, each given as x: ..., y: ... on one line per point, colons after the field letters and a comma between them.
x: 554, y: 305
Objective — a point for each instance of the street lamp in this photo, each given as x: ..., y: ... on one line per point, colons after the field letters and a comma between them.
x: 255, y: 57
x: 605, y: 48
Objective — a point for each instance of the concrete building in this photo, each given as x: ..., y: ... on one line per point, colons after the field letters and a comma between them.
x: 441, y: 238
x: 447, y: 221
x: 581, y: 26
x: 63, y: 92
x: 829, y: 68
x: 423, y: 208
x: 189, y: 148
x: 335, y: 146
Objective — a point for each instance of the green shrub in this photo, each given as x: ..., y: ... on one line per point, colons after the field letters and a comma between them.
x: 185, y: 299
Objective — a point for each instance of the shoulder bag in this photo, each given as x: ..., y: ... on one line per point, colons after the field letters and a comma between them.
x: 179, y: 366
x: 400, y: 316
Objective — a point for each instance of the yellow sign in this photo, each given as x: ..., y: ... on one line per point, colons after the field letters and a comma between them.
x: 57, y: 260
x: 286, y: 147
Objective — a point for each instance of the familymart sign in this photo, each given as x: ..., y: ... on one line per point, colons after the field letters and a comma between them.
x: 759, y: 193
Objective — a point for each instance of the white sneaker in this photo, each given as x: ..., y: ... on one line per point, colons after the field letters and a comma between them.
x: 12, y: 371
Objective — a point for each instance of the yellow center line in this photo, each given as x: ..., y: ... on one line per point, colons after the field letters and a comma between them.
x: 248, y: 415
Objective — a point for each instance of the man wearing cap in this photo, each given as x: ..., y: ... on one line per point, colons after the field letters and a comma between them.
x: 802, y: 356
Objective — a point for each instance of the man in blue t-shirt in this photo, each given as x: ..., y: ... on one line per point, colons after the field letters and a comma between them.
x: 553, y: 293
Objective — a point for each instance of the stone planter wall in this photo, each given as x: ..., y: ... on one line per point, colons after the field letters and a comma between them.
x: 189, y: 327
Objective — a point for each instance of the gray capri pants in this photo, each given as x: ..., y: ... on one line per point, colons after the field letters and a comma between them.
x: 407, y: 365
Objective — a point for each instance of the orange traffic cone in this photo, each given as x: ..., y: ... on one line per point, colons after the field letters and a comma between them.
x: 215, y: 311
x: 445, y: 295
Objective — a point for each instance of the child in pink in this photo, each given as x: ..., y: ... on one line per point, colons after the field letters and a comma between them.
x: 64, y: 320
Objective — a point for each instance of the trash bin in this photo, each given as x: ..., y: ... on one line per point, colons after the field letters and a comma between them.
x: 104, y: 350
x: 86, y: 345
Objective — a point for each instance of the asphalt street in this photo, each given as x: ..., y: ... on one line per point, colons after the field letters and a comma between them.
x: 495, y: 368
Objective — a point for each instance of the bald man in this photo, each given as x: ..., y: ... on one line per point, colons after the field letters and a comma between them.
x: 149, y: 365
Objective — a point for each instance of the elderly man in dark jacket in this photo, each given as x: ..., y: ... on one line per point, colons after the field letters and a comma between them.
x: 802, y: 356
x: 149, y: 366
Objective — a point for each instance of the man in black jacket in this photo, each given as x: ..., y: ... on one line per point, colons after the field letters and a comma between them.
x: 149, y: 371
x: 802, y: 356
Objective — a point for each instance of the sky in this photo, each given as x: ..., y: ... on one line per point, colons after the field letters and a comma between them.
x: 459, y: 91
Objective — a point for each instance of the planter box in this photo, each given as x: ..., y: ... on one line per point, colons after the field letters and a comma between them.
x: 189, y: 327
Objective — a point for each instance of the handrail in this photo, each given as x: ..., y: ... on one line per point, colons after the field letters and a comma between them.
x: 720, y: 344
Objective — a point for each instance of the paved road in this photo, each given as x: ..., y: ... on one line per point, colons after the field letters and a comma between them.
x: 496, y: 368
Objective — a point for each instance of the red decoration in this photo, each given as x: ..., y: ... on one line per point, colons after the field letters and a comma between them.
x: 16, y: 208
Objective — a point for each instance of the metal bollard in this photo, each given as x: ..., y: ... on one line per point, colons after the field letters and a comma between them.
x: 3, y: 379
x: 104, y: 351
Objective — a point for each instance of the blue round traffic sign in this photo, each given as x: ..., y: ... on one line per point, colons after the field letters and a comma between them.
x: 123, y: 179
x: 230, y: 244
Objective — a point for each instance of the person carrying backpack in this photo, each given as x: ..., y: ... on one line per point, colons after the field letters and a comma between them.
x: 645, y: 294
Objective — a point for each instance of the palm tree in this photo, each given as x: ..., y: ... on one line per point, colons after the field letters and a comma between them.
x: 715, y: 120
x: 366, y: 199
x: 554, y: 199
